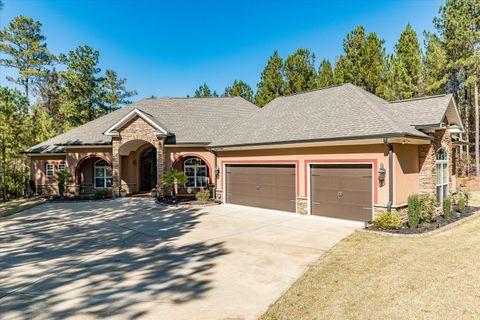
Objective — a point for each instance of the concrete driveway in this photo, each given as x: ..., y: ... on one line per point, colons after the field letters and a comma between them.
x: 130, y: 259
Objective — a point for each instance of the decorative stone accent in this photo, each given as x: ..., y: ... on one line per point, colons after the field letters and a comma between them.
x: 137, y: 129
x: 427, y: 159
x: 302, y: 205
x: 219, y: 195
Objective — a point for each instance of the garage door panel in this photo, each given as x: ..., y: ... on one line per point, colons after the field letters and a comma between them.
x: 342, y: 191
x: 264, y: 186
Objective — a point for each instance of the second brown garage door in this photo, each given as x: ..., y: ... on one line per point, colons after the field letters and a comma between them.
x: 342, y: 191
x: 263, y: 186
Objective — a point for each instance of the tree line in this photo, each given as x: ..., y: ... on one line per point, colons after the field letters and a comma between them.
x: 50, y: 95
x: 447, y: 62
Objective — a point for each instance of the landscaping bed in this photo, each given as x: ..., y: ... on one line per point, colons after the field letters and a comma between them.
x: 187, y: 201
x: 437, y: 223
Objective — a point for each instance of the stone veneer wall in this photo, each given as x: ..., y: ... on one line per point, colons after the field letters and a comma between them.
x: 427, y: 157
x: 137, y: 129
x: 302, y: 205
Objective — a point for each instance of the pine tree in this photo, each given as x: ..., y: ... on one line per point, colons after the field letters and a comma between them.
x: 25, y: 49
x: 82, y: 86
x: 325, y: 74
x: 240, y: 88
x: 300, y: 71
x: 272, y: 83
x: 459, y: 27
x: 203, y: 91
x: 114, y: 94
x: 407, y: 63
x: 364, y: 61
x: 435, y: 65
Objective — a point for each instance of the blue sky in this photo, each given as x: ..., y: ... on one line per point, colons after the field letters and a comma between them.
x: 170, y: 48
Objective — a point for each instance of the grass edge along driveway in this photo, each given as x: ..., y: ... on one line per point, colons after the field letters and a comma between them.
x: 369, y: 276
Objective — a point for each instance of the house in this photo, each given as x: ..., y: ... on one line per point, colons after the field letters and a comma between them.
x: 338, y: 151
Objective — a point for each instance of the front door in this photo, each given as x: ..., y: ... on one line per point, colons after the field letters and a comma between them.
x: 148, y: 170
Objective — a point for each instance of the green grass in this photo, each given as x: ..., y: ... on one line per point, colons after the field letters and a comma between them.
x: 369, y: 276
x: 11, y: 207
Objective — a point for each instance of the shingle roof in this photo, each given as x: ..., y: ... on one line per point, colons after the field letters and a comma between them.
x: 339, y: 112
x: 191, y: 120
x: 421, y: 111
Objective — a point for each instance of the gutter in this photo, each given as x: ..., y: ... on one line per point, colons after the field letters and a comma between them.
x: 390, y: 174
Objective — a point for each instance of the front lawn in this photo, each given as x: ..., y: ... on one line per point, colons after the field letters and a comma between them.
x: 369, y: 276
x: 15, y: 206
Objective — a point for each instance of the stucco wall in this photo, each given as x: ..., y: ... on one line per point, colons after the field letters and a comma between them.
x: 44, y: 184
x: 406, y: 172
x: 302, y: 157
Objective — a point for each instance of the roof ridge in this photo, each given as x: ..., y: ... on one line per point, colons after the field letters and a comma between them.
x: 312, y: 90
x: 394, y: 125
x: 421, y: 98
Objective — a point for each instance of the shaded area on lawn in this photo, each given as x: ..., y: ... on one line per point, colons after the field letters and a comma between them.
x: 14, y: 206
x: 107, y: 259
x: 368, y: 276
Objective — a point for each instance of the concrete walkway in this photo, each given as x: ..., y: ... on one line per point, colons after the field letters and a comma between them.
x: 132, y: 259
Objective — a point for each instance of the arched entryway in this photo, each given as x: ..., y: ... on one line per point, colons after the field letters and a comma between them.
x: 197, y: 170
x: 93, y: 172
x: 148, y: 169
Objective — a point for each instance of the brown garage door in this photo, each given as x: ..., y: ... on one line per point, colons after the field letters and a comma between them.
x: 342, y: 191
x: 263, y: 186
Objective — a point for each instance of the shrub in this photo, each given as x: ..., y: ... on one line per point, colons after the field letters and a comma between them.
x: 154, y: 190
x: 447, y: 208
x: 428, y: 204
x: 202, y: 195
x: 100, y: 194
x: 413, y: 210
x: 122, y: 189
x: 465, y: 195
x: 387, y: 220
x: 461, y: 205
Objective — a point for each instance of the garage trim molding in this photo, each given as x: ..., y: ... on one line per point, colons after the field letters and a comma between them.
x: 308, y: 165
x: 224, y: 164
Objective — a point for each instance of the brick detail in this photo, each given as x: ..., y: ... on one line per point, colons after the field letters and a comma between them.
x: 302, y: 205
x: 427, y: 158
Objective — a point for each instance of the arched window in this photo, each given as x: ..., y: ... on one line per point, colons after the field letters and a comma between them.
x: 196, y: 171
x: 102, y: 174
x: 441, y: 169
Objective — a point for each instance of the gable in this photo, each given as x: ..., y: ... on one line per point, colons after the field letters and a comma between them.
x: 139, y: 121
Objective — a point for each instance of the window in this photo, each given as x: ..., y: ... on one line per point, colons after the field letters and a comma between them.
x: 61, y: 167
x: 102, y: 175
x: 49, y: 169
x: 196, y: 171
x: 441, y: 169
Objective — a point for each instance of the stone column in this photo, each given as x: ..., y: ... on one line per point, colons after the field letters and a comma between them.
x: 160, y: 164
x: 116, y: 166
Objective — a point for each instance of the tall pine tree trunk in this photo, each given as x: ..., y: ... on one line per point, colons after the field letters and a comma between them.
x: 4, y: 183
x: 477, y: 144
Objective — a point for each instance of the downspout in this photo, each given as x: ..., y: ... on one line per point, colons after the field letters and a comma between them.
x: 215, y: 164
x: 390, y: 174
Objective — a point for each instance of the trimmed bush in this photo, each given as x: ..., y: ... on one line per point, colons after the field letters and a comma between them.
x: 413, y: 211
x: 202, y: 195
x: 101, y: 193
x: 461, y: 205
x: 428, y: 204
x: 447, y: 208
x: 387, y: 220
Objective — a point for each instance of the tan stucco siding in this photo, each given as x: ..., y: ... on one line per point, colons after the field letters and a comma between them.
x: 303, y: 157
x: 175, y: 155
x: 406, y: 172
x: 38, y: 172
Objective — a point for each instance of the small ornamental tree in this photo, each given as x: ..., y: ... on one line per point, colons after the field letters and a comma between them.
x: 172, y: 178
x: 62, y: 178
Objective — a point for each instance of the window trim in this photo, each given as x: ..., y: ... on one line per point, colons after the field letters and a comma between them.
x: 47, y: 165
x: 104, y: 177
x: 195, y: 172
x: 64, y: 166
x: 445, y: 181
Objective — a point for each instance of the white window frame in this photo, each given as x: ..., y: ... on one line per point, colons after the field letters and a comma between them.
x: 195, y: 167
x: 104, y: 177
x: 444, y: 181
x: 49, y: 172
x: 61, y: 167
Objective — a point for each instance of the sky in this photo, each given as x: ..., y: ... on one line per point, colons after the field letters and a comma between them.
x: 169, y: 48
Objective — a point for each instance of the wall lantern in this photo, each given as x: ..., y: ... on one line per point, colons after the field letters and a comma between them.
x: 217, y: 172
x: 381, y: 175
